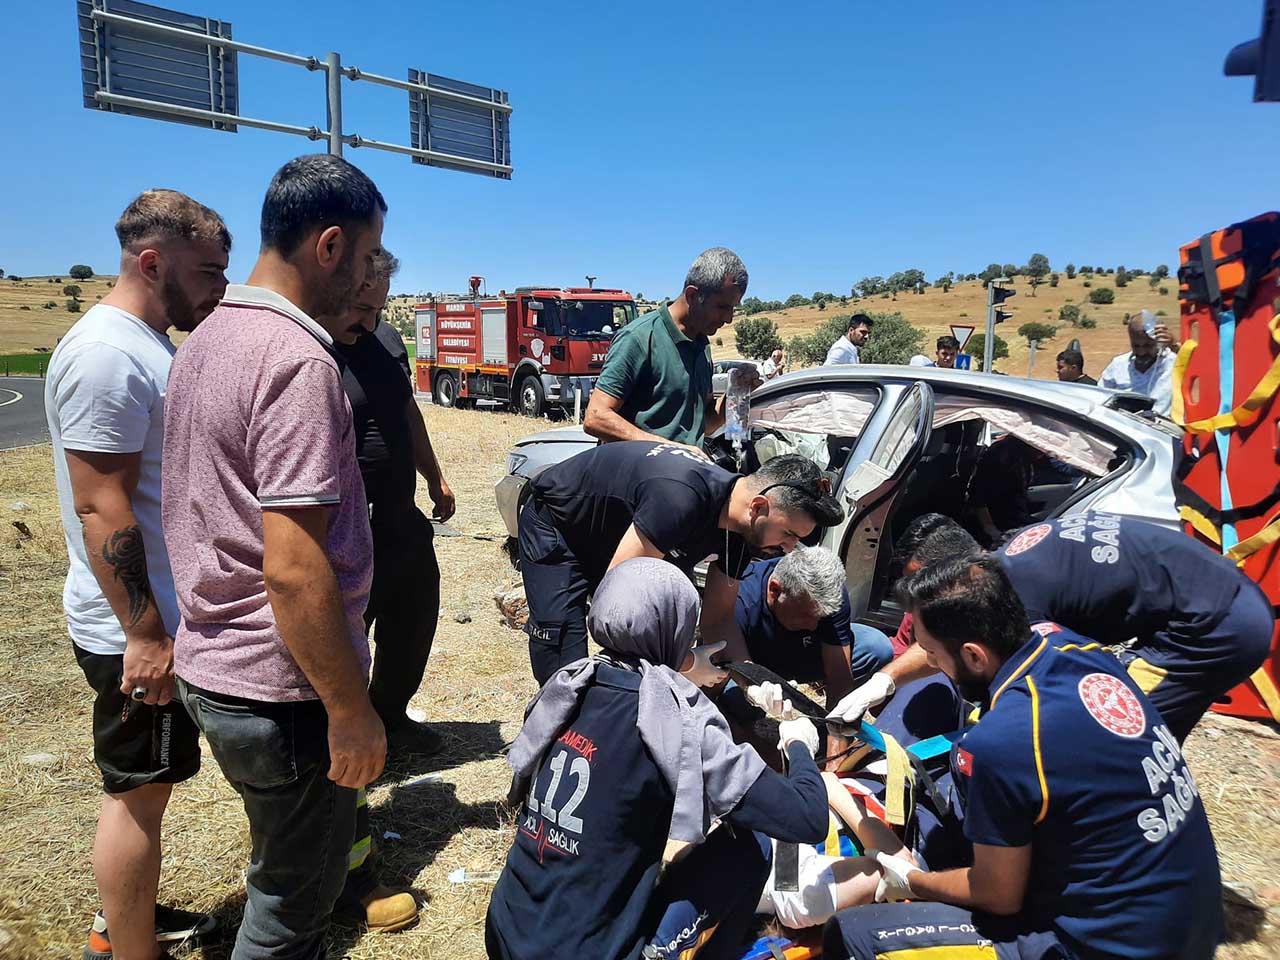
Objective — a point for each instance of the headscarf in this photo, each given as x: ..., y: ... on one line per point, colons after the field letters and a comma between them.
x: 644, y: 614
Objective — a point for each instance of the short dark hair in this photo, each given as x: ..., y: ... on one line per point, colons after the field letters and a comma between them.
x: 156, y: 216
x: 1072, y: 358
x: 857, y: 320
x: 794, y: 483
x: 933, y: 537
x: 967, y: 600
x: 316, y: 190
x: 385, y: 265
x: 947, y: 341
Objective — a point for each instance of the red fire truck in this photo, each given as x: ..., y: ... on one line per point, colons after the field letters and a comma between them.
x: 531, y: 349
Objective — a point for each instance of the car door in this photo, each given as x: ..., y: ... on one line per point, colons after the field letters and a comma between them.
x: 870, y: 487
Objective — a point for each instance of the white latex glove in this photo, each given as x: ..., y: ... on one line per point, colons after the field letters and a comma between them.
x: 878, y: 688
x: 799, y: 730
x: 768, y: 697
x: 704, y: 673
x: 895, y: 878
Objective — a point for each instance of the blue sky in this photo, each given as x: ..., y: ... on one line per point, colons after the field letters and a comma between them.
x: 822, y: 141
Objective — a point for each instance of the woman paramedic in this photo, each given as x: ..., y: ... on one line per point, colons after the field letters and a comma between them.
x: 622, y: 761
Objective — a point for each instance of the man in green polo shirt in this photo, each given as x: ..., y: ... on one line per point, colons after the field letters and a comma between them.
x: 656, y: 381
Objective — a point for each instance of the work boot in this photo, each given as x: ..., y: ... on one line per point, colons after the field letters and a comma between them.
x: 172, y: 926
x: 386, y: 910
x: 409, y: 736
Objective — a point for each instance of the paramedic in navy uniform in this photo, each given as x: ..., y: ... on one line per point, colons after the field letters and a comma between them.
x: 642, y: 498
x: 621, y: 762
x: 795, y: 617
x: 1089, y: 838
x: 1201, y: 626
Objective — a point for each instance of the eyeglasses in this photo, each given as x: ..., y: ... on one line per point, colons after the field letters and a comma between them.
x: 820, y: 489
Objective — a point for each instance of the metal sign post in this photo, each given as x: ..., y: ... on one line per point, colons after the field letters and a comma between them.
x: 147, y: 61
x: 989, y: 341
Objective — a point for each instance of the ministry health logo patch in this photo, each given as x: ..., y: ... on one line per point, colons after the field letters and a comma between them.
x: 1027, y: 539
x: 1112, y: 704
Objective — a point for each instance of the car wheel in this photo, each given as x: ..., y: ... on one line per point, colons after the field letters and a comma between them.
x: 531, y: 399
x: 446, y: 390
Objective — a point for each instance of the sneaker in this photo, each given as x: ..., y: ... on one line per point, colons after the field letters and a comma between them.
x: 386, y: 910
x: 172, y: 926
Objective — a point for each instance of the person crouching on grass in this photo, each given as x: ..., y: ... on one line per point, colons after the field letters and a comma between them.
x: 621, y: 757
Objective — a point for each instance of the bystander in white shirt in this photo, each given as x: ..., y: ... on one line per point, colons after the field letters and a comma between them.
x: 842, y: 351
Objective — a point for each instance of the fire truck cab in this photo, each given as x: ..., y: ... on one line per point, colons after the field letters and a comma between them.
x: 532, y: 349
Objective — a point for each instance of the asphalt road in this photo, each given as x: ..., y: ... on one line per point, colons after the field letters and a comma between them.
x: 22, y: 419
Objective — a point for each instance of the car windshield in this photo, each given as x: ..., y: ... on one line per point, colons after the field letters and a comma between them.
x: 597, y: 319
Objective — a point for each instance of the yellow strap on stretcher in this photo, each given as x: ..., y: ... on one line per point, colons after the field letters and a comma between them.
x: 899, y: 781
x: 1241, y: 416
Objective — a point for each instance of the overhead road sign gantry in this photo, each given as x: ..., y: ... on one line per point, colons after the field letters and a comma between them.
x: 162, y: 64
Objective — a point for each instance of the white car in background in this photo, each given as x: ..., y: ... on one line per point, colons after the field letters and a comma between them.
x: 902, y: 441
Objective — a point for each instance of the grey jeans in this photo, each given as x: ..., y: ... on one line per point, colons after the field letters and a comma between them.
x: 301, y: 823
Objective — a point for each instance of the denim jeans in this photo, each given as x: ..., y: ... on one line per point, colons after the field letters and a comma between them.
x: 871, y: 651
x: 301, y: 823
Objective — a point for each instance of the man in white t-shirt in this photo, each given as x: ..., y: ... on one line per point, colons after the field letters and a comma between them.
x: 775, y: 366
x: 845, y: 349
x: 104, y: 398
x: 1148, y: 366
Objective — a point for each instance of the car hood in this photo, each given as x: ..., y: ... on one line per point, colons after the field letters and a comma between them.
x: 558, y: 435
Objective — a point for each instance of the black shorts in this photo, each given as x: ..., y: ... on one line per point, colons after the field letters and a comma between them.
x: 135, y: 744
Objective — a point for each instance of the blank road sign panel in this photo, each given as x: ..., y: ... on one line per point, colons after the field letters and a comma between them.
x: 468, y: 131
x: 129, y: 61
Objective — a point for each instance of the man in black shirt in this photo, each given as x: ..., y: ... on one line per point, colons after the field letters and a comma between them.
x: 393, y: 446
x: 1071, y: 368
x: 642, y: 498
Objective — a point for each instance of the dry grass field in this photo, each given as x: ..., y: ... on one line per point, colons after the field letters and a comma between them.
x: 476, y: 687
x: 934, y: 311
x: 39, y: 327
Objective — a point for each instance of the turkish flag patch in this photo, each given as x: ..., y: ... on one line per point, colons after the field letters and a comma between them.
x: 964, y: 761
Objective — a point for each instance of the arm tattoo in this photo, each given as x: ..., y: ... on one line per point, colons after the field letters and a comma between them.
x: 126, y: 555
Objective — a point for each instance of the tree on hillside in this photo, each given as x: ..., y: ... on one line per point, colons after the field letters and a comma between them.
x: 976, y: 347
x: 913, y: 280
x: 1, y: 274
x: 1069, y: 314
x: 1071, y: 271
x: 895, y: 284
x: 993, y: 272
x: 71, y: 290
x: 1122, y: 278
x: 1037, y: 331
x: 1037, y: 269
x: 1011, y: 270
x: 751, y: 305
x: 1161, y: 272
x: 1102, y: 295
x: 1053, y: 279
x: 870, y: 286
x: 945, y: 281
x: 80, y: 271
x: 796, y: 300
x: 756, y: 337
